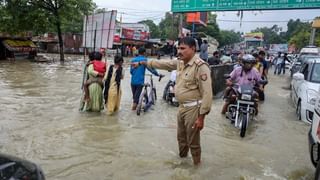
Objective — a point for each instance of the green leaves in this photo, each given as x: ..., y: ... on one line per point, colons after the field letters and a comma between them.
x: 40, y: 16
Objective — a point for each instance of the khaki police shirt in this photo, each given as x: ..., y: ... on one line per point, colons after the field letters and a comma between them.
x: 193, y: 80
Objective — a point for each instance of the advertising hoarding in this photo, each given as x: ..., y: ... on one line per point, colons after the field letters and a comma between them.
x: 99, y: 30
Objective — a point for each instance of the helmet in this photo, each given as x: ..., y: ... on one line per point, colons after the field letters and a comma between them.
x: 247, y: 58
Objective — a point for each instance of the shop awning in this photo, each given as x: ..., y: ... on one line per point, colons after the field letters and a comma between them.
x: 19, y: 45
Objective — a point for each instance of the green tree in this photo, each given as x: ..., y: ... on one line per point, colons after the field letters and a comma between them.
x: 299, y: 33
x: 61, y: 11
x: 39, y: 16
x: 300, y: 39
x: 169, y: 26
x: 19, y: 16
x: 154, y: 29
x: 229, y: 37
x: 271, y: 35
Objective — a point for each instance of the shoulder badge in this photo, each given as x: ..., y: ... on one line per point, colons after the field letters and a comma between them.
x: 203, y: 77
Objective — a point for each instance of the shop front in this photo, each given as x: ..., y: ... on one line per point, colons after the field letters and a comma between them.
x: 17, y: 48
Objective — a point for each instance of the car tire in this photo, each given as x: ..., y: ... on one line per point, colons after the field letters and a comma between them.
x: 298, y: 110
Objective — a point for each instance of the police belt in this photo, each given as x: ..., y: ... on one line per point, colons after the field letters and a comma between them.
x: 191, y: 103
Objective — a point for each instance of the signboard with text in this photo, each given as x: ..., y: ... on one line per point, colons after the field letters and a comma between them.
x: 235, y: 5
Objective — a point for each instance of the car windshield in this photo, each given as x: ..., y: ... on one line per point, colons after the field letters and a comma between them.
x: 315, y: 76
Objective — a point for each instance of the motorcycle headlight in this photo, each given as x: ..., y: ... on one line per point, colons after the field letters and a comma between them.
x: 311, y: 97
x: 246, y: 97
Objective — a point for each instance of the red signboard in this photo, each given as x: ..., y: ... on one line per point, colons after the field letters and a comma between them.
x: 127, y: 33
x: 116, y: 39
x: 198, y: 18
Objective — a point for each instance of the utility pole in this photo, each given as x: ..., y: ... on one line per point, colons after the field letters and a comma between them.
x: 315, y: 26
x: 180, y: 25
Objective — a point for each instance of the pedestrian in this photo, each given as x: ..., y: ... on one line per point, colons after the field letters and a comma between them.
x: 264, y: 63
x: 226, y: 59
x: 95, y: 74
x: 137, y: 76
x: 277, y: 62
x: 204, y: 50
x: 258, y: 65
x: 112, y: 90
x: 194, y: 94
x: 215, y: 59
x: 283, y: 63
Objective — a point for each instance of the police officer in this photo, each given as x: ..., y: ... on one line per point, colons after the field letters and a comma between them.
x: 193, y: 92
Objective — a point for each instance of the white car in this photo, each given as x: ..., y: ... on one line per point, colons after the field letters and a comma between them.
x: 304, y: 89
x: 314, y: 137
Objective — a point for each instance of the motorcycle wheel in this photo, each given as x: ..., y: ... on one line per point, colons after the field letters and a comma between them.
x: 176, y: 104
x: 243, y: 125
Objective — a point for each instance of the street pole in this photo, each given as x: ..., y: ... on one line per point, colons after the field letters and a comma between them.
x: 180, y: 25
x: 313, y: 34
x: 85, y: 39
x: 94, y: 38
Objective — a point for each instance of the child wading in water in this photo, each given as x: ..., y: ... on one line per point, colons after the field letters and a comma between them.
x: 112, y: 91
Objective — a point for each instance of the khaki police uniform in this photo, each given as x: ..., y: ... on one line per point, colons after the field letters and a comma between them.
x: 194, y: 94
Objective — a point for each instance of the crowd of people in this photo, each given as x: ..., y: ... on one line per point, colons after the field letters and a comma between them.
x: 102, y: 88
x: 193, y: 91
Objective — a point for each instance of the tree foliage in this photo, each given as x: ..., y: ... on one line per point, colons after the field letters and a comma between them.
x: 169, y: 26
x: 41, y: 16
x: 229, y: 37
x: 272, y: 35
x: 299, y: 33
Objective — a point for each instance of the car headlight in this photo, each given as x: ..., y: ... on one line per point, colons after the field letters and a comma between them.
x: 311, y: 97
x: 246, y: 97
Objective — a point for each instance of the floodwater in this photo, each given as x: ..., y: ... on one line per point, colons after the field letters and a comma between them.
x: 40, y: 122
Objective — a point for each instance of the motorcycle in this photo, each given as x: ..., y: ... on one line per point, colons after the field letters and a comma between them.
x: 169, y: 94
x: 16, y: 168
x: 243, y: 108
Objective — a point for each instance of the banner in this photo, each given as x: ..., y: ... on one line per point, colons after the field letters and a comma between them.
x: 278, y: 47
x: 198, y: 18
x: 134, y: 35
x: 99, y: 30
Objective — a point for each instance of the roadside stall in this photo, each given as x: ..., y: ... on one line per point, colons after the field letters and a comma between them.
x: 17, y: 48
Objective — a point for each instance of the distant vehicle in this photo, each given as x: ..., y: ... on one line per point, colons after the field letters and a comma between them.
x: 296, y: 64
x: 314, y: 138
x: 312, y: 50
x: 305, y: 85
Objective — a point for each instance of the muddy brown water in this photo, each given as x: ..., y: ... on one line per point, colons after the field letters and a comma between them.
x: 40, y: 122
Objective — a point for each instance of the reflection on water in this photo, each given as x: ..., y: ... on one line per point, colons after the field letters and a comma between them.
x: 40, y: 121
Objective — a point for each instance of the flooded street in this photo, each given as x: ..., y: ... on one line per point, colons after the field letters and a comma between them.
x: 40, y: 122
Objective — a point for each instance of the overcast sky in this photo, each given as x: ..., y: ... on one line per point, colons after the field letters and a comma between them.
x: 134, y: 11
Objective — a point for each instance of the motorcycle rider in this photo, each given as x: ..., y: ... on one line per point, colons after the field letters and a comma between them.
x: 243, y: 75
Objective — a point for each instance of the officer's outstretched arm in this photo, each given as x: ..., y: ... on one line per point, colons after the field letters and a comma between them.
x: 163, y: 64
x: 153, y: 71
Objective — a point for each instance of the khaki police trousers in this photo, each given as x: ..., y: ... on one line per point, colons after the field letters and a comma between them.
x: 188, y: 137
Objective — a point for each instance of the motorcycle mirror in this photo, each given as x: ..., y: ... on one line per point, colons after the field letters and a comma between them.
x: 226, y: 76
x: 16, y: 168
x: 263, y: 82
